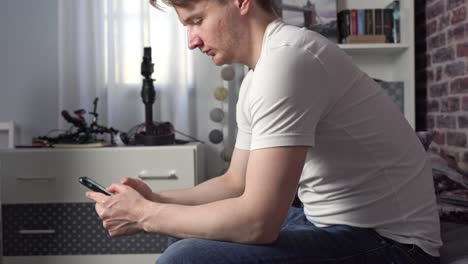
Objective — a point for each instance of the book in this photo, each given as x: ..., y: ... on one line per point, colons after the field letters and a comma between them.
x: 369, y: 22
x: 360, y: 21
x: 354, y: 24
x: 395, y: 7
x: 388, y: 24
x: 344, y: 18
x: 378, y: 21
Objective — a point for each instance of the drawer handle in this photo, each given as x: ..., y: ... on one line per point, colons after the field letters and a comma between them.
x: 35, y: 179
x: 37, y: 231
x: 145, y: 176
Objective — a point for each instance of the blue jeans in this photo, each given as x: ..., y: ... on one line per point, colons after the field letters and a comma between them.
x: 300, y: 241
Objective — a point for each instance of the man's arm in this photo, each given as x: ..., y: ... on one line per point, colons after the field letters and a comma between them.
x: 229, y: 185
x: 255, y: 216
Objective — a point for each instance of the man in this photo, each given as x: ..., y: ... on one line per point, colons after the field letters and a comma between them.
x: 307, y: 117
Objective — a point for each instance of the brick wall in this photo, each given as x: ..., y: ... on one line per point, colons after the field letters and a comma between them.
x: 442, y: 74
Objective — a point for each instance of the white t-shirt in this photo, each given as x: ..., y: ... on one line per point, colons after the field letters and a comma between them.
x: 365, y: 166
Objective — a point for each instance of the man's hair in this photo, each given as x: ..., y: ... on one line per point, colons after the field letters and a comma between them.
x: 265, y: 4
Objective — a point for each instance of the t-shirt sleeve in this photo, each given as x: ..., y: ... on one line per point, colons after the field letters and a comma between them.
x: 289, y: 95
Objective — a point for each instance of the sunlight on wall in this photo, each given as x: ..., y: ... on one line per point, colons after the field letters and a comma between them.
x: 169, y: 42
x: 142, y: 25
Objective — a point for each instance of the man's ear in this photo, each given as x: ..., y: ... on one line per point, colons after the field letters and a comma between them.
x: 244, y: 6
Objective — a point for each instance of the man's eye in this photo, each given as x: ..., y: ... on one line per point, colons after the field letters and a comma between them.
x: 197, y: 21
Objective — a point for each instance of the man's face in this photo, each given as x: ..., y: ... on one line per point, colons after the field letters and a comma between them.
x: 213, y: 28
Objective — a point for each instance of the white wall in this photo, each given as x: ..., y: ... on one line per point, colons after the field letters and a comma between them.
x: 207, y: 78
x: 28, y: 66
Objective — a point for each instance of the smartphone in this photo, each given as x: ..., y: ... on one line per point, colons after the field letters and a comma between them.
x: 94, y: 186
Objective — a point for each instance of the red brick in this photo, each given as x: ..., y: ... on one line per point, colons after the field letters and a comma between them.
x: 438, y: 137
x: 433, y: 106
x: 437, y: 41
x: 466, y: 29
x: 451, y: 104
x: 431, y: 27
x: 436, y: 9
x: 430, y: 122
x: 451, y: 4
x: 446, y: 121
x: 439, y: 73
x: 430, y: 76
x: 456, y: 139
x: 456, y: 33
x: 438, y: 90
x: 444, y: 22
x: 465, y: 156
x: 465, y: 103
x: 462, y: 50
x: 443, y: 55
x: 459, y: 85
x: 458, y: 15
x: 463, y: 121
x: 455, y: 69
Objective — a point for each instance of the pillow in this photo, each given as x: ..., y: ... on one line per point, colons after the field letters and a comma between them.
x: 425, y: 137
x: 450, y: 183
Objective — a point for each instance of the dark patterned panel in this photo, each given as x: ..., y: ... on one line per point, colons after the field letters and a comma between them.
x: 68, y: 229
x: 396, y: 91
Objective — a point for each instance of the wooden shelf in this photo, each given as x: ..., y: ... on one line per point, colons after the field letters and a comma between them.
x: 383, y: 48
x: 388, y: 61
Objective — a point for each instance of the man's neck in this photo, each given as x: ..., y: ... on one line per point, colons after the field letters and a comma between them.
x: 258, y: 28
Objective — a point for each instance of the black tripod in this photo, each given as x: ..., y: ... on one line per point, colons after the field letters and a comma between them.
x: 154, y: 133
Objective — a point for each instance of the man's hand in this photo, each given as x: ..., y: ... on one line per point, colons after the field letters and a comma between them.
x: 121, y: 213
x: 141, y: 187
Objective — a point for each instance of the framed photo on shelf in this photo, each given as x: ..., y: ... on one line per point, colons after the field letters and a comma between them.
x: 9, y: 128
x: 316, y: 15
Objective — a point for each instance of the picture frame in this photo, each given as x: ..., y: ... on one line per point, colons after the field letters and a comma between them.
x: 9, y: 128
x: 316, y: 15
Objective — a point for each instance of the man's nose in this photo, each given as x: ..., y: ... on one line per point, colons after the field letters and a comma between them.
x: 194, y: 41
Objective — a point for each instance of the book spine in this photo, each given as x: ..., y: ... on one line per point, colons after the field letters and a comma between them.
x: 369, y: 22
x: 339, y: 20
x: 353, y: 22
x: 378, y: 21
x: 344, y: 24
x: 347, y: 23
x: 341, y: 26
x: 360, y: 21
x: 388, y: 25
x: 396, y: 21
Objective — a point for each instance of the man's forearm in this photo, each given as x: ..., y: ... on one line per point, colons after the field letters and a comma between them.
x: 219, y: 188
x: 228, y: 220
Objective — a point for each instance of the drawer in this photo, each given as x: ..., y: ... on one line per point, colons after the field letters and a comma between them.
x: 67, y: 229
x: 51, y: 175
x: 84, y: 259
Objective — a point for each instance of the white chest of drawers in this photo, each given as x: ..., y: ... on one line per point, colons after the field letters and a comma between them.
x: 47, y: 218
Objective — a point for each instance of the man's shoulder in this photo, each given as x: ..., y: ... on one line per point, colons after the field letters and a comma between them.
x: 291, y: 36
